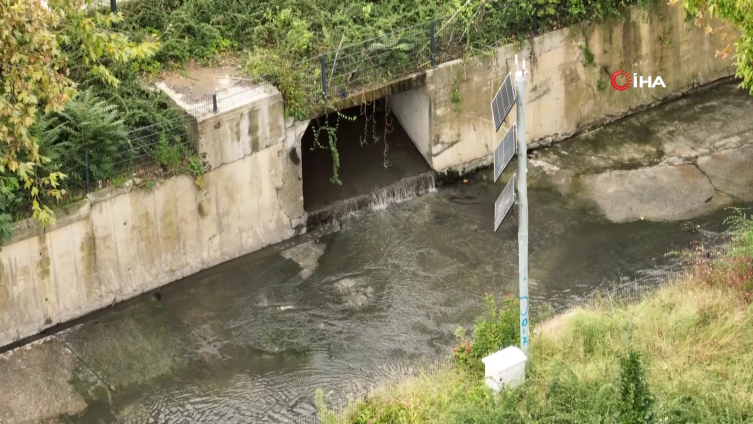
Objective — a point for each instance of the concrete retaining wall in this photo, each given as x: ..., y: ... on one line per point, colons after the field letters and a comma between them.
x: 564, y: 94
x: 123, y: 241
x: 412, y: 111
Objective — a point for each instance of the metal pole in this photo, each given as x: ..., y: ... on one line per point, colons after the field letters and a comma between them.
x: 433, y: 46
x: 86, y: 164
x: 114, y: 6
x: 214, y: 102
x: 520, y: 76
x: 535, y: 21
x: 323, y: 60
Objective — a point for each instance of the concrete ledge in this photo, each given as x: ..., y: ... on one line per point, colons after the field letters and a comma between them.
x: 66, y: 215
x: 108, y: 193
x: 408, y: 82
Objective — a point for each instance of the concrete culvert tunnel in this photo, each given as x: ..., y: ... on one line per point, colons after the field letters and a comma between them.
x: 375, y: 153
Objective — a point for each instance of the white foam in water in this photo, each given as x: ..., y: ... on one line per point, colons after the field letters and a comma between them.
x: 405, y: 189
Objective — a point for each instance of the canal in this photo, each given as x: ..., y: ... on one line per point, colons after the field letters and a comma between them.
x: 252, y: 339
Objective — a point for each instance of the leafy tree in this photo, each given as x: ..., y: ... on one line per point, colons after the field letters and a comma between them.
x: 739, y: 13
x: 34, y: 71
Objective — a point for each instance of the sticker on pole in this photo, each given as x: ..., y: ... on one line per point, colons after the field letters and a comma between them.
x: 502, y: 102
x: 504, y: 203
x: 505, y: 151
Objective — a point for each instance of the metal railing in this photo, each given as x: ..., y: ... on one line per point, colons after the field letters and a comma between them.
x: 333, y: 74
x: 339, y: 73
x: 152, y: 151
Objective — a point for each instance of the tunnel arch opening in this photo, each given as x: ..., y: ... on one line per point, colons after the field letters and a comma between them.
x: 373, y: 151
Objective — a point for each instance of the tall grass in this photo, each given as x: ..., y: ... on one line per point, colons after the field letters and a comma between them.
x: 682, y: 355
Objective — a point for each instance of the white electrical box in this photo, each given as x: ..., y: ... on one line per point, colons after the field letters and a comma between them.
x: 505, y: 368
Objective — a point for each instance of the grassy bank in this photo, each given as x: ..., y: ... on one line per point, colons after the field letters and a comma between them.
x: 682, y: 355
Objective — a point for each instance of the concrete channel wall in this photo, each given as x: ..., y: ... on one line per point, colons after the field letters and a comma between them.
x: 568, y: 90
x: 123, y: 241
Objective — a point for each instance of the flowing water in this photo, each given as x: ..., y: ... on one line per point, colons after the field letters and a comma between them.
x: 252, y: 339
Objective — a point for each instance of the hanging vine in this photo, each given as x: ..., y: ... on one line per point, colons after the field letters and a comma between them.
x: 364, y: 111
x: 388, y: 128
x: 331, y: 133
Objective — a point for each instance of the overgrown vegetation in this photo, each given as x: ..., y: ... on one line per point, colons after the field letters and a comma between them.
x: 737, y: 13
x: 273, y: 39
x: 682, y: 355
x: 498, y: 327
x: 35, y: 75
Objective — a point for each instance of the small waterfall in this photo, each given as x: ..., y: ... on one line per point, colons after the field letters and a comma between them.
x: 405, y: 189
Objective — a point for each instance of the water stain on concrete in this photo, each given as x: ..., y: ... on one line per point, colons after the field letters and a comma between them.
x: 662, y: 164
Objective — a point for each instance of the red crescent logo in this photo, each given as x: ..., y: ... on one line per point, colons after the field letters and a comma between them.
x: 628, y: 80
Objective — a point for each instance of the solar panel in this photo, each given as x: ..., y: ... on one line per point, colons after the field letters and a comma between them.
x: 502, y: 102
x: 504, y: 203
x: 505, y: 151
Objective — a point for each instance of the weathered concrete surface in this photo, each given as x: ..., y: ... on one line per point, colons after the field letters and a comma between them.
x: 48, y: 391
x: 731, y: 171
x: 126, y: 240
x: 677, y: 161
x: 566, y: 93
x: 243, y: 130
x: 411, y: 108
x: 663, y: 193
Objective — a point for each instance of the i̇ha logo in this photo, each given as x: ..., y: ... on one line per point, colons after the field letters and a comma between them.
x: 622, y: 76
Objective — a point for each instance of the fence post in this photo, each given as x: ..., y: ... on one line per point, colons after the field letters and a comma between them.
x: 214, y: 102
x: 535, y: 21
x: 323, y: 60
x: 433, y: 45
x: 86, y: 164
x: 114, y: 6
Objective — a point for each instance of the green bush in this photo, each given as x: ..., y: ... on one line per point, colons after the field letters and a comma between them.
x: 636, y: 400
x: 167, y: 154
x: 138, y: 105
x: 201, y: 28
x: 381, y: 413
x: 89, y: 123
x: 497, y: 329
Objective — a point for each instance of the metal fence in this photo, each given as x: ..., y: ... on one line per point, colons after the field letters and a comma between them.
x: 331, y: 75
x: 148, y: 152
x: 242, y: 91
x: 342, y: 410
x: 334, y: 74
x: 352, y: 68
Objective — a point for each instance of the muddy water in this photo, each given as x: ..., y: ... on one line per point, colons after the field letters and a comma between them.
x: 251, y: 340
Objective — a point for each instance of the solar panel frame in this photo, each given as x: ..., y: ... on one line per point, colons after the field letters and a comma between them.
x: 503, y: 101
x: 504, y: 203
x: 505, y: 151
